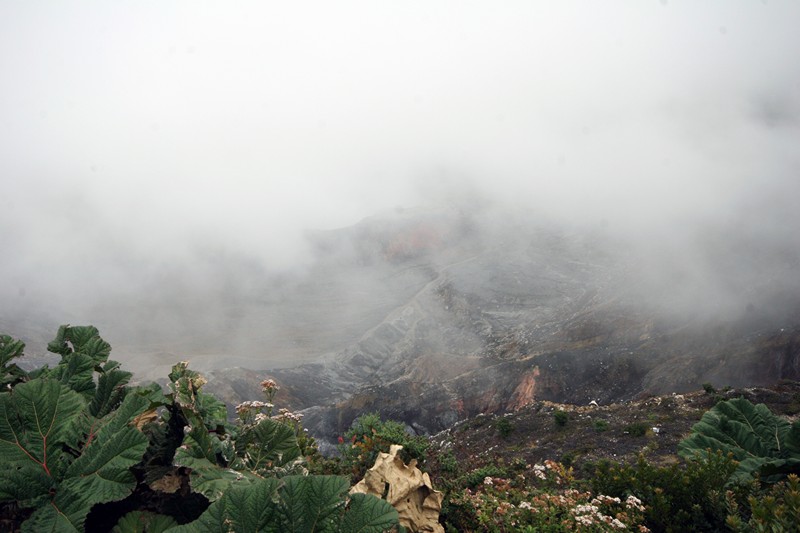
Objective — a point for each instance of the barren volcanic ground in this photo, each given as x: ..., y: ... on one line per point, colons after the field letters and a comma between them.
x: 445, y: 320
x: 434, y: 316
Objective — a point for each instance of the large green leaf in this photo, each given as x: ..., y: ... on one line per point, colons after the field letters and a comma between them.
x: 81, y: 336
x: 40, y: 421
x: 213, y: 411
x: 758, y: 439
x: 111, y: 389
x: 36, y: 421
x: 368, y: 514
x: 80, y: 339
x: 294, y: 504
x: 10, y: 348
x: 59, y: 344
x: 212, y: 480
x: 310, y: 503
x: 102, y: 472
x: 792, y: 442
x: 77, y: 373
x: 153, y: 393
x: 56, y: 517
x: 198, y: 444
x: 96, y: 348
x: 245, y: 509
x: 207, y: 456
x: 125, y: 415
x: 268, y: 444
x: 82, y: 352
x: 28, y: 486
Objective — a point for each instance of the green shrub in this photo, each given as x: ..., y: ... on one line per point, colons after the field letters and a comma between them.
x: 476, y: 477
x: 636, y: 429
x: 504, y: 427
x: 600, y: 425
x: 689, y: 497
x: 369, y: 435
x: 568, y: 458
x: 448, y: 463
x: 793, y: 407
x: 775, y: 509
x: 560, y: 417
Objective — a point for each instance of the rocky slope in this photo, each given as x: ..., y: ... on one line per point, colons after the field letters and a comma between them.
x: 448, y: 319
x: 431, y: 316
x: 651, y: 427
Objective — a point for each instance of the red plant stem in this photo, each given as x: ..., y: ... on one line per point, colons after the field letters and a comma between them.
x: 44, y: 462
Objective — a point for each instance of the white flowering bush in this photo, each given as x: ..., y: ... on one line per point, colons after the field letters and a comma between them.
x: 542, y: 498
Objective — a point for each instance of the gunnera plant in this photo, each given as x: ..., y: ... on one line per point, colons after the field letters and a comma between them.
x: 76, y: 437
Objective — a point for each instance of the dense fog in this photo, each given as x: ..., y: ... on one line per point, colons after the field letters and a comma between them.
x: 168, y: 168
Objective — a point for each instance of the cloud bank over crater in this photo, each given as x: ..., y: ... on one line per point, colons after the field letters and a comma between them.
x: 137, y: 136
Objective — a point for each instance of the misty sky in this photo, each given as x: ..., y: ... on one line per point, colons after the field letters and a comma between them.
x: 138, y: 130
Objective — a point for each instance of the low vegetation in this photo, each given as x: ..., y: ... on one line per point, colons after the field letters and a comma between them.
x: 82, y: 449
x: 368, y: 436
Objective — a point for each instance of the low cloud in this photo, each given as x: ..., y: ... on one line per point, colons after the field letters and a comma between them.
x: 143, y: 143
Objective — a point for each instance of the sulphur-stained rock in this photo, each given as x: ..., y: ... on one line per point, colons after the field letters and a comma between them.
x: 525, y: 392
x: 409, y: 491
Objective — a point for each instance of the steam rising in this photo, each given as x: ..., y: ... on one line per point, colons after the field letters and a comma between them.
x: 164, y: 162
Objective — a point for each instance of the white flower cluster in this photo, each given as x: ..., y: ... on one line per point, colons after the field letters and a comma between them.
x: 586, y: 509
x: 597, y: 518
x: 632, y: 502
x: 269, y: 385
x: 590, y: 515
x: 285, y: 414
x: 603, y: 499
x: 253, y: 404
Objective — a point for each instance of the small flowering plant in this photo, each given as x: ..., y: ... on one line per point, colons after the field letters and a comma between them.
x: 552, y: 474
x: 266, y: 441
x: 269, y: 388
x: 295, y: 421
x: 251, y: 412
x: 284, y: 415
